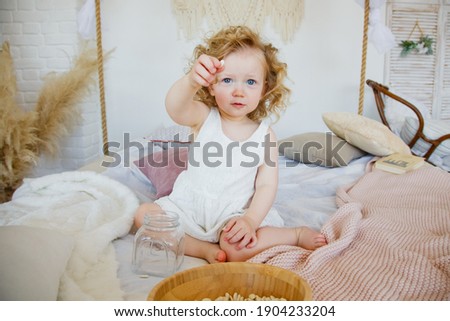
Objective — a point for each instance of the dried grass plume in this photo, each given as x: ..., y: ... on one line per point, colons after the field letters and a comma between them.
x: 24, y: 135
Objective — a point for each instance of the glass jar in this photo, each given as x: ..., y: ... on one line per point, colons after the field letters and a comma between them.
x: 158, y: 247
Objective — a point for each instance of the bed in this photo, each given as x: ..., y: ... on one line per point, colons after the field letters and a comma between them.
x: 66, y: 236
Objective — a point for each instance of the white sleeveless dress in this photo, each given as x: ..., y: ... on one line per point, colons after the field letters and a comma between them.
x: 219, y: 181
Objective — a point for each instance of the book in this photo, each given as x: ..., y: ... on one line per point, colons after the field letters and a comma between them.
x: 399, y: 163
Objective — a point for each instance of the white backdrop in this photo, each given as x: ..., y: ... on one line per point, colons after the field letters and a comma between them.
x: 324, y: 64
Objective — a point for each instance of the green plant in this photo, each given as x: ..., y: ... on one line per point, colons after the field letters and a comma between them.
x: 423, y: 46
x: 408, y: 46
x: 426, y: 44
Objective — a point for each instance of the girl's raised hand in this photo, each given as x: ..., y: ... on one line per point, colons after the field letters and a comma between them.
x: 204, y: 71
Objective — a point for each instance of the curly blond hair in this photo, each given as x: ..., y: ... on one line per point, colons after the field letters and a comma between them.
x: 235, y: 38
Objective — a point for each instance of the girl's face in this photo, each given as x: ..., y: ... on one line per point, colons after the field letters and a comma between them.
x: 240, y: 85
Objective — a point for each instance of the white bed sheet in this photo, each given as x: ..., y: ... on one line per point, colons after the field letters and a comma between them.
x: 306, y: 196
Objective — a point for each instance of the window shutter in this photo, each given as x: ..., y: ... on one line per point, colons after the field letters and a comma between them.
x: 416, y: 74
x: 444, y: 108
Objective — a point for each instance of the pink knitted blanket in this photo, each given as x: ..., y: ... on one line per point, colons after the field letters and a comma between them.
x: 388, y: 240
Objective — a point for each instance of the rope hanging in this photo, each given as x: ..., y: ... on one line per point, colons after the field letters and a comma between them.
x: 364, y: 57
x: 100, y: 75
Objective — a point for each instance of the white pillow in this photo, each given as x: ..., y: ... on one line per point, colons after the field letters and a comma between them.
x: 433, y: 129
x: 367, y: 134
x: 396, y: 112
x: 446, y: 163
x: 33, y: 260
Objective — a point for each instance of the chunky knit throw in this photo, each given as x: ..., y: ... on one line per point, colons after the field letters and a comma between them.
x: 388, y: 240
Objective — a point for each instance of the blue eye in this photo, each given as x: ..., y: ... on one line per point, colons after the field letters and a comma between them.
x: 227, y: 81
x: 251, y: 82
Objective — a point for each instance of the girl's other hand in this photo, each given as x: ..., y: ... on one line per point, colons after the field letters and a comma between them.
x: 204, y: 71
x: 240, y: 231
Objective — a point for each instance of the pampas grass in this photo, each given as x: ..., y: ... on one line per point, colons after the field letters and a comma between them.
x: 25, y: 135
x: 56, y: 101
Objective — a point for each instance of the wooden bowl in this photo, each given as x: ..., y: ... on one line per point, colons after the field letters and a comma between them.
x: 215, y: 280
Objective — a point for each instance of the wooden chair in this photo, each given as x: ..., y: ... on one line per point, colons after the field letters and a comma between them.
x: 380, y: 91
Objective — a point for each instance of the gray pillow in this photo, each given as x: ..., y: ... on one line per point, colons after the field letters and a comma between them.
x: 321, y: 149
x: 33, y: 261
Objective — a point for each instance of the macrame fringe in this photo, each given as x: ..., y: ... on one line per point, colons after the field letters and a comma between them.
x: 286, y: 15
x: 189, y: 15
x: 223, y: 13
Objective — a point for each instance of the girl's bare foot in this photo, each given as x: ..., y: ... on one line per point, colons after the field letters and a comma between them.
x: 216, y: 256
x: 208, y: 251
x: 309, y: 239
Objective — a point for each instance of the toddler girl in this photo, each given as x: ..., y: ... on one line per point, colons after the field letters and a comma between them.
x: 224, y: 198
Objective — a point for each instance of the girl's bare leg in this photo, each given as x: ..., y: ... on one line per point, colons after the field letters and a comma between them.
x: 272, y: 236
x: 140, y: 213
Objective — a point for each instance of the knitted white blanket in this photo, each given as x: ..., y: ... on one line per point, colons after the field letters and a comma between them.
x: 389, y: 240
x: 91, y: 208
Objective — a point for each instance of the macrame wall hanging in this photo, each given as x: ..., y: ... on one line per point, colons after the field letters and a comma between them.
x: 285, y: 15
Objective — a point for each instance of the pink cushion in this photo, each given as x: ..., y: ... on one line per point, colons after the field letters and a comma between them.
x: 162, y: 168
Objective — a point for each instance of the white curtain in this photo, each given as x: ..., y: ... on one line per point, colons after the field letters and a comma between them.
x: 379, y: 35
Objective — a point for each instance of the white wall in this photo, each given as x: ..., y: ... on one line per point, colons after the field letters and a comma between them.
x: 324, y: 62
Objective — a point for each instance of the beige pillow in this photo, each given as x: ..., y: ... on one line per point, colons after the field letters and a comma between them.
x: 367, y: 134
x: 33, y: 261
x: 322, y: 149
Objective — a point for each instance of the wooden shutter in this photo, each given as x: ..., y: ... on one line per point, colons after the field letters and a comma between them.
x: 443, y: 112
x: 415, y: 74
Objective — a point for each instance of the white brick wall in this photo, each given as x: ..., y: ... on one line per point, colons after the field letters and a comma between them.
x: 43, y: 38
